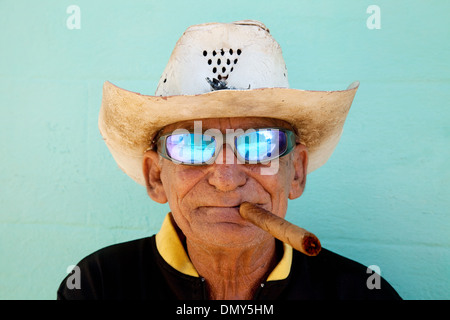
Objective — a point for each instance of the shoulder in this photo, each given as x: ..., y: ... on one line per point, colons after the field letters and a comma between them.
x: 112, y: 271
x: 332, y: 276
x: 119, y: 256
x: 134, y: 249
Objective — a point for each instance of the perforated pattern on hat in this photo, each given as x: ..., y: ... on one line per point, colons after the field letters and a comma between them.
x: 222, y: 61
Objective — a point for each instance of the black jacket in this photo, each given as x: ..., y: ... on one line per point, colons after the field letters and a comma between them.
x: 136, y: 270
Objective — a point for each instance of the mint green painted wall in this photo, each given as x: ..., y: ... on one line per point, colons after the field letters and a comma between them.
x: 383, y: 198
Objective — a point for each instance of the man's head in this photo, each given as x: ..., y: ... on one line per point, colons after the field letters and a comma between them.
x: 204, y: 199
x: 258, y: 138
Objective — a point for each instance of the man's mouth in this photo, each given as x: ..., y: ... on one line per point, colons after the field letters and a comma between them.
x: 222, y: 206
x: 230, y: 206
x: 223, y: 213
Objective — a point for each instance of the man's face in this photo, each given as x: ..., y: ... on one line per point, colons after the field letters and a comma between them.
x: 205, y: 199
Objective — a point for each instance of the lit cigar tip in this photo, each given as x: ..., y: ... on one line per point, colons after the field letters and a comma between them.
x: 311, y: 245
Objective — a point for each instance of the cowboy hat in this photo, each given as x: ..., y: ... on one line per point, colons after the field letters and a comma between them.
x: 221, y: 70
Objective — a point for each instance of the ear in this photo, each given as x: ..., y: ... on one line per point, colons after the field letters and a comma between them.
x: 300, y: 163
x: 152, y: 173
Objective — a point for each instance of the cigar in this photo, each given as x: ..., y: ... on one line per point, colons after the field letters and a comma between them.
x: 298, y: 238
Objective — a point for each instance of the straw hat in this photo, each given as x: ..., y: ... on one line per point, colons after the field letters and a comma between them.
x: 221, y: 70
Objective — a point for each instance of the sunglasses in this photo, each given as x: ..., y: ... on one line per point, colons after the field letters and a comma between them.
x: 250, y: 147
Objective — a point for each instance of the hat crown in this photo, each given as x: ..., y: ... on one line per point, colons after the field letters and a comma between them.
x: 214, y: 56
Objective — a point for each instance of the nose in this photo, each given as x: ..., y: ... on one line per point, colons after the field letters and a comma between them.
x: 227, y: 174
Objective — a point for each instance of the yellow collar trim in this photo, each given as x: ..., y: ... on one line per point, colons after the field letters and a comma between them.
x: 171, y: 249
x: 283, y: 268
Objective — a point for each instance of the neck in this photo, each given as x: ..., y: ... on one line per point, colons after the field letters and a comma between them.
x: 233, y: 273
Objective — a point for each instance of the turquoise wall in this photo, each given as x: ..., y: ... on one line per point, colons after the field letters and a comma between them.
x: 383, y: 198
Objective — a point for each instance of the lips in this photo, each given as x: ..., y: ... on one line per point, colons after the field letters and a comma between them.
x: 221, y: 213
x: 216, y: 208
x: 231, y: 206
x: 221, y: 205
x: 224, y: 207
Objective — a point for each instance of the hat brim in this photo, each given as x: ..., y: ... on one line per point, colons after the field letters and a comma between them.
x: 128, y: 121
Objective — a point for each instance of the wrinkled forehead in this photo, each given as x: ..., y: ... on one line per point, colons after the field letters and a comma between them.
x: 223, y: 124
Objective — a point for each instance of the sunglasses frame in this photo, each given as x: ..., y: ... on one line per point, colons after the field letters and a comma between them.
x: 160, y: 145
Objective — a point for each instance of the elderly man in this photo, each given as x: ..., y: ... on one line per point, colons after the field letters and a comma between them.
x: 222, y: 129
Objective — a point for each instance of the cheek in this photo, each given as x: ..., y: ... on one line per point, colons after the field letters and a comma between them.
x: 179, y: 181
x: 278, y: 186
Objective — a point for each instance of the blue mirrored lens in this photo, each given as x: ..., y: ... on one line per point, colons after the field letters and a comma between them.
x: 261, y: 145
x: 190, y: 148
